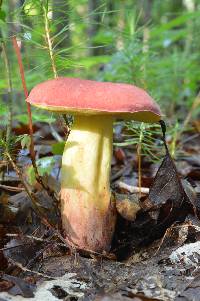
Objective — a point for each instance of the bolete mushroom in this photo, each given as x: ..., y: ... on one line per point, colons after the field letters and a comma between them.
x: 87, y: 208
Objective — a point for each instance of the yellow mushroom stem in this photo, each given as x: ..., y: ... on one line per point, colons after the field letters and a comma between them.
x: 88, y: 211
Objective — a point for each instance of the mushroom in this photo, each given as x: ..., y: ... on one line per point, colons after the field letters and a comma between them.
x: 87, y: 207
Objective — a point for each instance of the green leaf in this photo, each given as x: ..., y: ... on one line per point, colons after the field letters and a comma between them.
x: 57, y: 148
x: 25, y: 141
x: 2, y: 15
x: 103, y: 37
x: 44, y: 166
x: 174, y: 23
x: 23, y: 118
x: 91, y: 61
x: 37, y: 117
x: 3, y: 109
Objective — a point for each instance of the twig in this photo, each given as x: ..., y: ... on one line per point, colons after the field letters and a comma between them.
x: 118, y: 174
x: 49, y: 41
x: 139, y: 157
x: 19, y: 265
x: 19, y: 58
x: 11, y: 188
x: 139, y: 161
x: 34, y: 238
x: 51, y: 54
x: 186, y: 140
x: 10, y: 91
x: 33, y: 198
x: 32, y: 152
x: 132, y: 189
x: 64, y: 244
x: 28, y: 191
x: 55, y: 134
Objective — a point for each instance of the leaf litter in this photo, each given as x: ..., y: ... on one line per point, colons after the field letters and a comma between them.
x: 157, y: 247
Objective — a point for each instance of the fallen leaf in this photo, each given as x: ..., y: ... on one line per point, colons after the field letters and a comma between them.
x: 127, y: 206
x: 20, y: 287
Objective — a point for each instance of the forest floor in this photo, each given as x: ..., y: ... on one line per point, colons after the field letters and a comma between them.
x: 156, y: 247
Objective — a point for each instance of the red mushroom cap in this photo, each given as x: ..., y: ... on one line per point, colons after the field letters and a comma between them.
x: 78, y: 96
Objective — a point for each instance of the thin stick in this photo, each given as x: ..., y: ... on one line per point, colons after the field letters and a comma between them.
x: 10, y: 90
x: 26, y: 187
x: 11, y: 188
x: 51, y: 54
x: 139, y: 167
x: 132, y: 189
x: 19, y: 58
x: 34, y: 238
x: 32, y: 152
x: 19, y: 265
x: 139, y: 159
x: 33, y: 198
x: 49, y: 41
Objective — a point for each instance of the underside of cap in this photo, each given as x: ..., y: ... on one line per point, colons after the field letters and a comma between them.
x: 86, y: 97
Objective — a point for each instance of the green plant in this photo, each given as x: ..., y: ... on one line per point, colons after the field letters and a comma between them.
x: 146, y: 137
